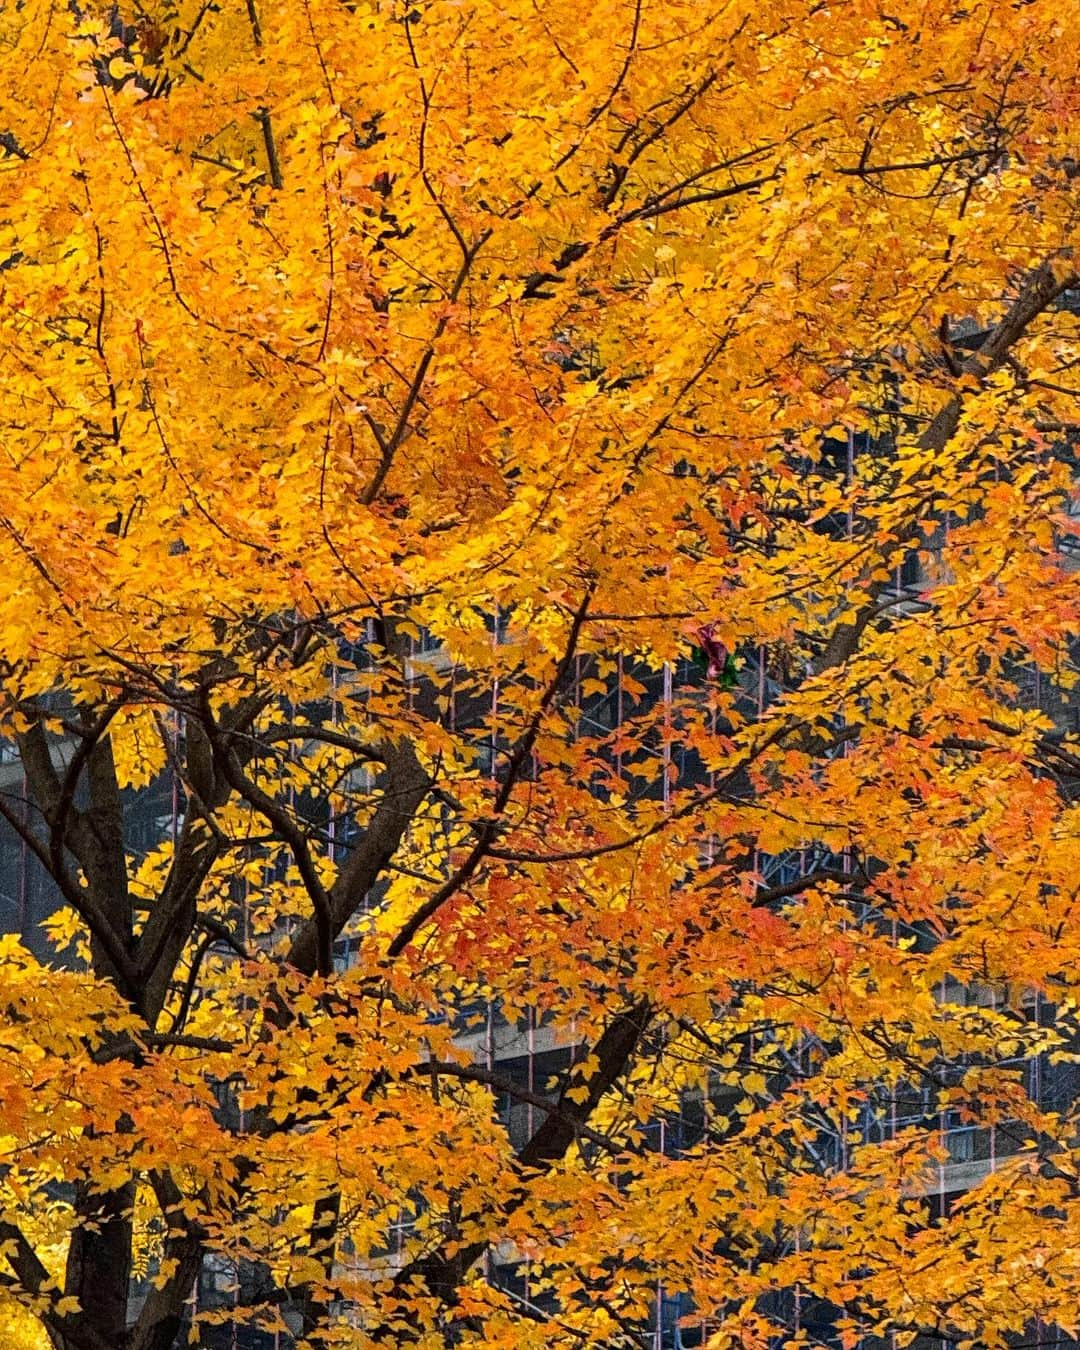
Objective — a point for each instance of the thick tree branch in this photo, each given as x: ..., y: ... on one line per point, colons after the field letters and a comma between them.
x: 443, y: 1271
x: 280, y: 819
x: 406, y: 784
x: 476, y: 1073
x: 66, y: 1332
x: 1040, y: 289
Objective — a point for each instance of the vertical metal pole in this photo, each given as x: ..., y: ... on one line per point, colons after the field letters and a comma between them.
x: 174, y: 779
x: 24, y: 857
x: 658, y: 1334
x: 760, y: 710
x: 331, y: 822
x: 667, y: 734
x: 494, y: 705
x: 489, y: 1063
x: 531, y: 1026
x: 850, y: 477
x: 618, y: 710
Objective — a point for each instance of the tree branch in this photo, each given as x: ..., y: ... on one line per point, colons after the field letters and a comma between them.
x: 489, y: 828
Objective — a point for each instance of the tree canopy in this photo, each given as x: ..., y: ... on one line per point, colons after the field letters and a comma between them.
x: 564, y: 508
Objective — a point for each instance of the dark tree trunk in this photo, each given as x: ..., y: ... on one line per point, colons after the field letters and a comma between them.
x: 99, y: 1259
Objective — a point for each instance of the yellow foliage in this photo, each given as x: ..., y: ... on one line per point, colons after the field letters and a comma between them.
x: 572, y: 505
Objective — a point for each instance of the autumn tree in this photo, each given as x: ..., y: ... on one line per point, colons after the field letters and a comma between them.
x: 565, y: 505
